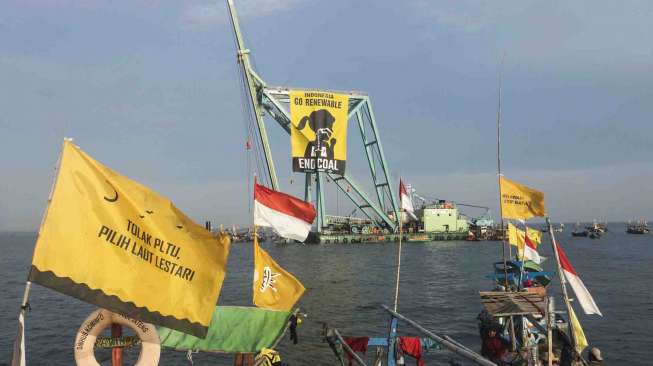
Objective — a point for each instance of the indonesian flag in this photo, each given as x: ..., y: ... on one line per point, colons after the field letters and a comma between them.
x: 530, y: 249
x: 404, y: 198
x: 290, y: 217
x: 582, y: 294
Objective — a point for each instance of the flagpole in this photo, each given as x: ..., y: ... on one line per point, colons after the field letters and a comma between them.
x: 401, y: 210
x: 563, y: 282
x: 24, y: 305
x: 503, y: 232
x: 503, y: 235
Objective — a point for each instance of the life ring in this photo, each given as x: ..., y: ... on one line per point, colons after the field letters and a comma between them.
x: 100, y: 319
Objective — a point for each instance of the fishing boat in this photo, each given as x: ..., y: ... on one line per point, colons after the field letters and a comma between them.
x: 639, y: 227
x: 519, y: 310
x: 595, y: 231
x: 595, y: 234
x: 578, y: 232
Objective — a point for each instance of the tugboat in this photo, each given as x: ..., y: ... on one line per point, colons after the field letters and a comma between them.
x: 639, y: 227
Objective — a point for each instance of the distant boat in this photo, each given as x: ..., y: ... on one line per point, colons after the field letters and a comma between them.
x: 578, y: 232
x: 639, y: 227
x: 596, y: 230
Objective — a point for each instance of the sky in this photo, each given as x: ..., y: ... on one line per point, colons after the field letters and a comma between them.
x: 151, y: 89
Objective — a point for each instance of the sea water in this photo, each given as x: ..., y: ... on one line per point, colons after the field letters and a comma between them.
x: 347, y: 284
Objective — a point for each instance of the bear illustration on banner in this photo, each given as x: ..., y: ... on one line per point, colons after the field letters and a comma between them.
x: 319, y: 131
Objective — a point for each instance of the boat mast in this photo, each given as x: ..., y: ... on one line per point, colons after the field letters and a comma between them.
x: 254, y: 84
x: 503, y: 235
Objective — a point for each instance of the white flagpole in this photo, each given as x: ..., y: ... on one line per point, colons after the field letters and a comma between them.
x: 24, y: 306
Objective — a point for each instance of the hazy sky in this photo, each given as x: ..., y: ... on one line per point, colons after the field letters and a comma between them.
x: 151, y: 89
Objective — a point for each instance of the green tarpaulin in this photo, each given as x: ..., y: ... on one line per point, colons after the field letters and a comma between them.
x: 233, y: 329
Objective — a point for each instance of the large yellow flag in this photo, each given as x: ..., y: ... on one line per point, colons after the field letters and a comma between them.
x: 113, y: 242
x: 274, y: 288
x: 519, y: 201
x: 579, y: 334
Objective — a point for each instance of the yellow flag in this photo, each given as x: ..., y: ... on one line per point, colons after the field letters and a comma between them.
x: 534, y: 235
x: 579, y: 335
x: 274, y: 288
x: 115, y: 243
x: 519, y: 201
x: 516, y: 238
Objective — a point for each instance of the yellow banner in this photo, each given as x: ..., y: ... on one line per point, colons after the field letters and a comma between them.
x: 519, y: 201
x: 318, y: 132
x: 274, y: 288
x: 115, y: 243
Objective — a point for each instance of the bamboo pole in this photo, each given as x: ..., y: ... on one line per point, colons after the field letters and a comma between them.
x: 398, y: 260
x: 550, y: 320
x: 24, y: 306
x: 348, y: 349
x: 452, y: 346
x: 563, y: 283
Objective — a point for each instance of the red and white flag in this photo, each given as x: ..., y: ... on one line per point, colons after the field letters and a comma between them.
x: 405, y: 198
x: 290, y: 217
x: 582, y: 294
x: 530, y: 249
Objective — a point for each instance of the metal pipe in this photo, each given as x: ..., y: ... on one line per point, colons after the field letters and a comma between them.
x: 252, y: 79
x: 461, y: 351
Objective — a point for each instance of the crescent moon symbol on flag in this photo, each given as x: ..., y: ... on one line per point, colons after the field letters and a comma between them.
x: 115, y: 198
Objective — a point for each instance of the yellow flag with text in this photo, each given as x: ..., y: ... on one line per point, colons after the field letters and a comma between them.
x: 318, y: 131
x: 115, y: 243
x: 579, y: 334
x: 274, y: 288
x: 519, y: 201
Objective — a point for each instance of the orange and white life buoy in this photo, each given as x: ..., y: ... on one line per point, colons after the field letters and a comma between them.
x: 101, y: 319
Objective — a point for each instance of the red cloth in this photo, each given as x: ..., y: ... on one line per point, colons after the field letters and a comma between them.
x: 493, y: 348
x: 357, y: 344
x: 412, y: 346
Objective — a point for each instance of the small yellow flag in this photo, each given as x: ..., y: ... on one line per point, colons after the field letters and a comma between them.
x: 274, y: 288
x: 516, y: 236
x: 115, y: 243
x: 579, y: 335
x: 519, y: 201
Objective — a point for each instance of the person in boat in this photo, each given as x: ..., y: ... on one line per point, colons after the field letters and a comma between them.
x: 594, y: 357
x: 494, y: 347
